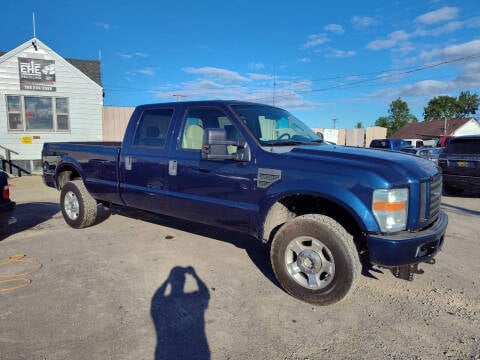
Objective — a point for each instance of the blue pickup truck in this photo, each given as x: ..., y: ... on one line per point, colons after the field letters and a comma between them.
x: 258, y: 170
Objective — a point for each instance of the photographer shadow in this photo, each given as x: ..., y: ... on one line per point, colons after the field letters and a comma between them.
x: 179, y: 317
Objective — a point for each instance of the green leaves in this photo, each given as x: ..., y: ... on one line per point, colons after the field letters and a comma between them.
x: 450, y: 107
x: 399, y: 116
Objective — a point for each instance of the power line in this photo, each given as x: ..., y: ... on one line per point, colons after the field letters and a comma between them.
x: 392, y: 74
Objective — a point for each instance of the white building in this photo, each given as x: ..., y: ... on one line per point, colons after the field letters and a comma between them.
x: 45, y: 98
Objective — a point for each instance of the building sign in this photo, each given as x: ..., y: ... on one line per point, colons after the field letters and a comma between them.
x: 26, y: 140
x: 37, y: 74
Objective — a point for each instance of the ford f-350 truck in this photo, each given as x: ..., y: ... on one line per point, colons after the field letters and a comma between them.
x: 258, y: 170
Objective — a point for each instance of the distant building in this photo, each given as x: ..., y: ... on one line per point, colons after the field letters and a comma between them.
x: 436, y: 128
x: 44, y: 97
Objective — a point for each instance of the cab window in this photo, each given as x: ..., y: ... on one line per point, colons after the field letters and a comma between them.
x: 152, y: 129
x: 197, y: 119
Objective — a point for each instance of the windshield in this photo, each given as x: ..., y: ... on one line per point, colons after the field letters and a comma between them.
x: 274, y: 126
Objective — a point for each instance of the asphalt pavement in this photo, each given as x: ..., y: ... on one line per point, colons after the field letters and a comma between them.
x: 141, y: 286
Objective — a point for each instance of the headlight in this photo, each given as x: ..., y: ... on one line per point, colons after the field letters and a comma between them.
x: 390, y: 207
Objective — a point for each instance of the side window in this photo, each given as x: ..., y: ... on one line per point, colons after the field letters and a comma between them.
x: 152, y: 129
x: 199, y: 118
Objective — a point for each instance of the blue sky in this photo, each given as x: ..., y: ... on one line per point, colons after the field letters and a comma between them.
x: 343, y: 60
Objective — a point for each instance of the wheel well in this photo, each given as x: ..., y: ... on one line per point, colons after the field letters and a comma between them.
x: 66, y: 174
x: 297, y: 205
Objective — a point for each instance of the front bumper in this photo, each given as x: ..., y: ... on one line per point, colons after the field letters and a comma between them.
x: 462, y: 182
x: 407, y: 248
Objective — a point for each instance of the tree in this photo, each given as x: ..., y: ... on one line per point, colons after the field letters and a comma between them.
x: 450, y: 107
x: 442, y: 107
x: 468, y: 103
x: 359, y: 125
x: 398, y: 116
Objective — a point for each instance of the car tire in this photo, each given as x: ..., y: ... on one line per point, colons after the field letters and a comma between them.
x: 315, y: 260
x: 79, y: 208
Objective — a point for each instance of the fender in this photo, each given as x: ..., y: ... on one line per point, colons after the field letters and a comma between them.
x: 342, y: 197
x: 67, y: 162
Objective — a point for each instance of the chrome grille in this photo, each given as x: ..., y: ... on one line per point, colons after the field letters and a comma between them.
x: 430, y: 200
x: 435, y: 196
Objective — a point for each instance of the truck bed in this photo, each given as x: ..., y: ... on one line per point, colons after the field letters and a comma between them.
x: 98, y: 162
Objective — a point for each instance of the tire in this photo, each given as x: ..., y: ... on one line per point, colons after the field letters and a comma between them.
x: 315, y: 260
x: 450, y: 190
x: 79, y: 208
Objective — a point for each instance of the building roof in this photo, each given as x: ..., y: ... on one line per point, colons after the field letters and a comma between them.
x: 429, y: 129
x: 91, y: 68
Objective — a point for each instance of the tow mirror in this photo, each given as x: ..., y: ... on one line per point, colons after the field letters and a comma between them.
x: 215, y: 146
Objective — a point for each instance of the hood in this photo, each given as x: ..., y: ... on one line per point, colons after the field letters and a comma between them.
x: 395, y: 167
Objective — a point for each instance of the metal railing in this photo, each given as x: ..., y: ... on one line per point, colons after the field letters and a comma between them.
x: 8, y: 166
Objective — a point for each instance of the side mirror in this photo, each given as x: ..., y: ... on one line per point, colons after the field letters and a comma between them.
x: 215, y: 146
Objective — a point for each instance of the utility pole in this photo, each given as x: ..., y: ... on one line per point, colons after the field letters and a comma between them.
x: 334, y: 123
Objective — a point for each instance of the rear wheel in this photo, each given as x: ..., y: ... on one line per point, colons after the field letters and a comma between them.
x: 79, y: 208
x: 315, y: 259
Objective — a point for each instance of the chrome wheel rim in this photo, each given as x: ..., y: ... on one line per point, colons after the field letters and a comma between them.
x: 71, y: 205
x: 309, y: 262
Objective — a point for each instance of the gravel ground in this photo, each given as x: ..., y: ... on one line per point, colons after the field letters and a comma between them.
x: 102, y: 294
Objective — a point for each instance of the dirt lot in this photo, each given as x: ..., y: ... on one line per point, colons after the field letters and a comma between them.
x: 101, y: 293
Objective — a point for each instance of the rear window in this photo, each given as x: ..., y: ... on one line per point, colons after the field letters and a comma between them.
x: 464, y: 146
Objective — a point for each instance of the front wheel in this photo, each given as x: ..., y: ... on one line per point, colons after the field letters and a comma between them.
x: 79, y: 208
x: 315, y: 259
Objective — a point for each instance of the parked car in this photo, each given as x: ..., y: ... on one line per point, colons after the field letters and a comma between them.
x: 429, y: 153
x: 444, y: 140
x: 460, y: 164
x: 7, y: 206
x: 434, y: 153
x: 389, y: 144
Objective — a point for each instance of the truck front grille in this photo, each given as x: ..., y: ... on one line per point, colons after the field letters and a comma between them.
x: 430, y: 200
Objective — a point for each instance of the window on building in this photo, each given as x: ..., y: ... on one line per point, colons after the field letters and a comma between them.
x: 62, y: 114
x: 37, y: 113
x: 14, y: 112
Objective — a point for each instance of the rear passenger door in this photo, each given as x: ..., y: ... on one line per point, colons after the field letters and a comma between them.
x: 144, y: 162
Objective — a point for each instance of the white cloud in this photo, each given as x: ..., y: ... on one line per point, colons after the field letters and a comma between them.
x: 334, y: 28
x: 256, y: 66
x: 129, y: 56
x: 469, y: 77
x: 103, y: 25
x: 217, y: 73
x: 287, y: 93
x: 393, y: 39
x: 146, y: 71
x: 332, y: 53
x: 443, y: 14
x: 315, y: 40
x: 363, y: 21
x: 125, y: 56
x: 260, y: 77
x: 448, y: 28
x: 473, y: 23
x: 304, y: 60
x: 451, y: 52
